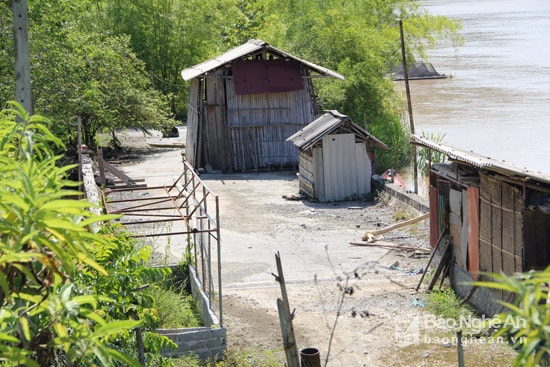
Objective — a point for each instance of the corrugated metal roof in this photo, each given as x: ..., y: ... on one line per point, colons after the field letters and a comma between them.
x: 481, y: 161
x: 252, y: 46
x: 327, y: 123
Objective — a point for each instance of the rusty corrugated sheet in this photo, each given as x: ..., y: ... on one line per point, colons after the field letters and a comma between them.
x: 326, y: 124
x: 251, y: 47
x: 481, y: 161
x: 473, y: 230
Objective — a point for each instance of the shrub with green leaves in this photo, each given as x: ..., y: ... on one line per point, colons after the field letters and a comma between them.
x: 527, y: 319
x: 45, y: 238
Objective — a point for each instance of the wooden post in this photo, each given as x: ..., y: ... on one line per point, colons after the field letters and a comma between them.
x: 459, y: 348
x: 140, y: 346
x: 409, y: 104
x: 21, y: 47
x: 435, y: 249
x: 285, y: 318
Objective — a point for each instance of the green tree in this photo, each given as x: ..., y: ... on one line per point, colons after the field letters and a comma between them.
x: 168, y: 35
x: 79, y: 70
x: 360, y: 39
x: 45, y: 237
x: 249, y: 19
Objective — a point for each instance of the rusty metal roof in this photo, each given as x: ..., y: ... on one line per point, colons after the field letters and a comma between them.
x: 253, y: 46
x: 326, y: 124
x: 482, y: 161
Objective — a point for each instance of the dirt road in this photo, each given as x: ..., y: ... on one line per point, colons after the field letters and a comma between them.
x: 373, y: 324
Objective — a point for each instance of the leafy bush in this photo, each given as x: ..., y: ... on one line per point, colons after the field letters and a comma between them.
x: 426, y: 155
x: 45, y: 240
x: 528, y: 317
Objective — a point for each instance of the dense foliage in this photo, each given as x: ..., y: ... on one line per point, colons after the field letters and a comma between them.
x: 66, y: 292
x: 360, y: 39
x: 117, y: 63
x: 80, y: 70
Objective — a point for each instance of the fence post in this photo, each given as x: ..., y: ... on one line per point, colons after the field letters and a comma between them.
x: 285, y: 318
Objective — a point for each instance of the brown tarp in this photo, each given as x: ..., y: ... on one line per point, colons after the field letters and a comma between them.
x: 473, y: 231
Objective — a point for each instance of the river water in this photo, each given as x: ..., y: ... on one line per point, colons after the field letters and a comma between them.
x: 497, y: 102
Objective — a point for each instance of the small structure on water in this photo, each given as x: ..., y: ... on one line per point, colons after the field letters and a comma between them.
x: 418, y: 70
x: 245, y: 103
x: 335, y: 158
x: 496, y: 217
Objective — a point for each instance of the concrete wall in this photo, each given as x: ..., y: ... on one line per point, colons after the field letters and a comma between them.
x: 209, y: 317
x: 482, y: 299
x: 91, y: 191
x: 206, y: 342
x: 413, y: 200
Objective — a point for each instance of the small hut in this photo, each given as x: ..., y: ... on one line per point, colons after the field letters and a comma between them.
x: 335, y: 158
x: 245, y: 103
x: 494, y: 215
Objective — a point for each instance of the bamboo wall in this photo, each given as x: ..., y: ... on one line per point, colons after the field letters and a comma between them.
x: 501, y: 226
x: 259, y: 124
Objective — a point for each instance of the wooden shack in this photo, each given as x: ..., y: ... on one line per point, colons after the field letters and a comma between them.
x: 243, y: 105
x: 335, y: 158
x: 496, y: 217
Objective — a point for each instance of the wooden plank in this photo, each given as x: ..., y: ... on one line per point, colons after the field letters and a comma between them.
x: 434, y: 251
x: 395, y: 226
x: 434, y: 226
x: 464, y: 233
x: 445, y: 259
x: 485, y: 226
x: 472, y: 194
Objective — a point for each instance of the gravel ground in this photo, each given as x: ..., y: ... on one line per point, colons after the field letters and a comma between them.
x: 318, y: 261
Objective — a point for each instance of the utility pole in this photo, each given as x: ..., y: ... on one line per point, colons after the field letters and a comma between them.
x: 21, y: 46
x: 407, y: 90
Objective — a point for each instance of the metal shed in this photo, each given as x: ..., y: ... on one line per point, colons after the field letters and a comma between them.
x: 495, y: 215
x: 335, y: 158
x: 244, y: 103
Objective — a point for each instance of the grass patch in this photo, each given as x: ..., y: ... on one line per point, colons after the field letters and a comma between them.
x: 401, y: 214
x: 175, y: 310
x: 446, y: 304
x: 235, y: 358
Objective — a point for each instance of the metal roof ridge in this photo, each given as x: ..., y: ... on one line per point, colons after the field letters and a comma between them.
x: 252, y: 45
x: 480, y: 160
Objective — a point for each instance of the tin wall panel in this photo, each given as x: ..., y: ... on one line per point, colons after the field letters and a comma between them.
x: 363, y: 169
x: 338, y: 158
